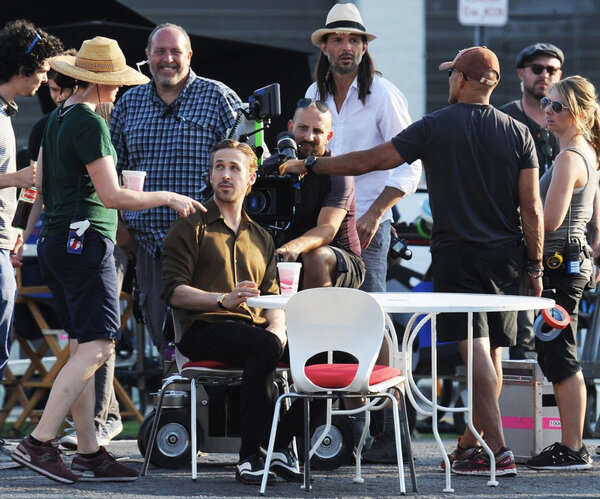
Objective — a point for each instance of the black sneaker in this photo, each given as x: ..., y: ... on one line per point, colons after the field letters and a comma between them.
x: 560, y: 457
x: 285, y: 465
x: 250, y: 471
x: 44, y: 459
x: 479, y: 463
x: 102, y: 468
x: 383, y: 451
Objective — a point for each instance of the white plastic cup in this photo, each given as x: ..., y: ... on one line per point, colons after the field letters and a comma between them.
x: 289, y: 277
x: 133, y: 179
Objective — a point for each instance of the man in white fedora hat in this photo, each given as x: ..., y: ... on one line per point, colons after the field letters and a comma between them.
x: 367, y: 110
x: 482, y: 177
x: 167, y: 129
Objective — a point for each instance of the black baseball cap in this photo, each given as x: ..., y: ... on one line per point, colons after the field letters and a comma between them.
x: 536, y: 49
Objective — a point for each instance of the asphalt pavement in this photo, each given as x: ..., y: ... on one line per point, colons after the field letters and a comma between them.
x: 216, y: 479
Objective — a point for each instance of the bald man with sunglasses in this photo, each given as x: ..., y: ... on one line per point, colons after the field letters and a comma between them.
x: 322, y: 233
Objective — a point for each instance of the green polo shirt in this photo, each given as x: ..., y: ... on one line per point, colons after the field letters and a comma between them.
x: 75, y: 137
x: 204, y: 252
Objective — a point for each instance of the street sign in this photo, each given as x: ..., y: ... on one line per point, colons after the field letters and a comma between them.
x: 483, y: 12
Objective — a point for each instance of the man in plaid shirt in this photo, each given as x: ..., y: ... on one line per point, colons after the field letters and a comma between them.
x: 167, y: 128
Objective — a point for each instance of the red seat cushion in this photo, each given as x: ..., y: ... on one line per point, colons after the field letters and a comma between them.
x: 341, y: 375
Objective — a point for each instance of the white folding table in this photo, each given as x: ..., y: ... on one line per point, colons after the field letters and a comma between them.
x: 431, y: 304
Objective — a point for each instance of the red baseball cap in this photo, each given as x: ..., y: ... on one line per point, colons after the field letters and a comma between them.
x: 475, y: 62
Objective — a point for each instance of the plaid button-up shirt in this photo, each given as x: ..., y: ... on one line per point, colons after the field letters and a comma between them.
x: 171, y: 144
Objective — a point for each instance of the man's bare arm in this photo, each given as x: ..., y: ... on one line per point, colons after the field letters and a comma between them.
x: 532, y: 219
x: 381, y: 157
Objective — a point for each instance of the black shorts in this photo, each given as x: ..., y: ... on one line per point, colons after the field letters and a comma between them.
x: 558, y: 358
x: 469, y: 268
x: 350, y: 269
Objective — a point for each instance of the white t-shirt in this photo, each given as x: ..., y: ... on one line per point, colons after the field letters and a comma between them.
x: 8, y: 195
x: 357, y: 127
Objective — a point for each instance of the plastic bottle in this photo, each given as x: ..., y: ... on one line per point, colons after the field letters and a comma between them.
x: 26, y: 200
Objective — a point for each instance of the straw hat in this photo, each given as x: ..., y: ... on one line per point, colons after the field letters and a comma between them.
x: 99, y: 60
x: 342, y: 18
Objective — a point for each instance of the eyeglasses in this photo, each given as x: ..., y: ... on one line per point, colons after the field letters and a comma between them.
x: 32, y: 44
x: 537, y: 69
x: 557, y: 107
x: 319, y: 104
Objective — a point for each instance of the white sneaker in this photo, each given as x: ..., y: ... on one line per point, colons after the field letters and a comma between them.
x: 109, y: 430
x: 104, y: 434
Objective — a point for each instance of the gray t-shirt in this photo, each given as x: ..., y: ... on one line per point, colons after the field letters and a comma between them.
x: 472, y: 156
x: 8, y: 195
x: 581, y: 208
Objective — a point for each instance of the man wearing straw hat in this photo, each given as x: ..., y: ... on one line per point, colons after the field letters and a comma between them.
x: 23, y: 65
x: 77, y: 182
x: 167, y: 129
x: 367, y: 110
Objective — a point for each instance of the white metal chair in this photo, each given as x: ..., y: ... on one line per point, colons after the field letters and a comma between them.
x: 337, y: 319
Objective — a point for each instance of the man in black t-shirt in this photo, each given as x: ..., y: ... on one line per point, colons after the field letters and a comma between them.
x: 322, y: 233
x: 482, y: 178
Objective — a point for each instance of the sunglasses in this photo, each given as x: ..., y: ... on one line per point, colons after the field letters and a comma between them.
x: 537, y: 69
x: 319, y: 104
x: 33, y: 43
x: 544, y: 136
x: 557, y: 107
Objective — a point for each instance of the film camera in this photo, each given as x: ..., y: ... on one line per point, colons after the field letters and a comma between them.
x: 274, y: 197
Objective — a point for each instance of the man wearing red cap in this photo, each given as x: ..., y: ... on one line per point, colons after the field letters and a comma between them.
x: 482, y: 177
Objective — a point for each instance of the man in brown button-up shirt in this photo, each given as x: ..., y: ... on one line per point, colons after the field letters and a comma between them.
x: 212, y: 263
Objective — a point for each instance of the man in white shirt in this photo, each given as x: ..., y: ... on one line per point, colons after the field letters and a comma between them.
x: 367, y: 110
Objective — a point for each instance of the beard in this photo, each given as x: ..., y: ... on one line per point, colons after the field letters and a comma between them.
x: 167, y: 81
x: 306, y: 149
x: 347, y: 67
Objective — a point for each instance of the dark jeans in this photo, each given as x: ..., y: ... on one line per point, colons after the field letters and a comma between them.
x: 252, y: 348
x: 258, y: 352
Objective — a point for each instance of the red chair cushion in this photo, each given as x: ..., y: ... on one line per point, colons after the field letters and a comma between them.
x: 341, y: 375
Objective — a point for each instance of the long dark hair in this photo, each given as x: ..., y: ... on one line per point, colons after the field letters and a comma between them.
x: 324, y: 79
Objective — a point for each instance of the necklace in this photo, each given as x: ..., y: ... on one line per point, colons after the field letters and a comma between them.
x: 63, y: 111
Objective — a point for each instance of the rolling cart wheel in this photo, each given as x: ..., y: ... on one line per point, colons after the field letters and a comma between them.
x: 173, y: 443
x: 336, y: 449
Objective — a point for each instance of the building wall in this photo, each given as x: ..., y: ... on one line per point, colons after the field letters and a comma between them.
x: 572, y: 26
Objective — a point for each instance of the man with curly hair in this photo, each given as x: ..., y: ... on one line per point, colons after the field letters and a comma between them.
x: 24, y: 54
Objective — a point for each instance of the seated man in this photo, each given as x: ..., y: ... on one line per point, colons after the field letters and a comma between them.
x: 323, y: 231
x: 212, y: 263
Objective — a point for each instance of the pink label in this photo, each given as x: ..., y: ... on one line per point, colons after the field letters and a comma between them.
x: 288, y: 281
x: 519, y: 423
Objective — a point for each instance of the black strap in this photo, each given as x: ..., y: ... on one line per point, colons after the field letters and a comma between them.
x: 345, y: 24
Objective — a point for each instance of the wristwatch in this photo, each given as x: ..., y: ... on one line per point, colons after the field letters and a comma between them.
x: 220, y: 299
x: 309, y: 163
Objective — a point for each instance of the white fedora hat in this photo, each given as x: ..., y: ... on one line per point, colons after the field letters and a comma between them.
x: 99, y: 60
x: 342, y: 18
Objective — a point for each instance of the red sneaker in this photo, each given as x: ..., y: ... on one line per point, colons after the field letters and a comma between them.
x: 479, y: 463
x: 102, y: 468
x: 44, y: 459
